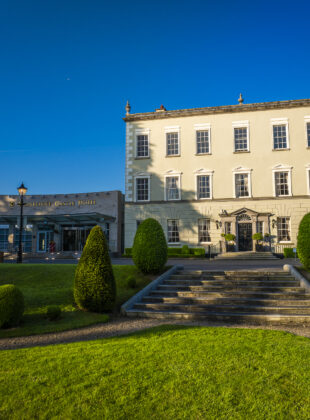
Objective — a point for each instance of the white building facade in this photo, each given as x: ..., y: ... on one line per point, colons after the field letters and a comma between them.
x: 204, y: 172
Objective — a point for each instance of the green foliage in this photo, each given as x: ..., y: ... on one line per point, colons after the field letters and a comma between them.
x: 303, y: 241
x: 149, y: 250
x: 94, y: 284
x: 11, y: 305
x: 174, y: 251
x: 199, y: 252
x: 128, y: 252
x: 53, y: 312
x: 258, y: 236
x: 230, y: 237
x: 131, y: 282
x: 185, y: 249
x: 288, y: 253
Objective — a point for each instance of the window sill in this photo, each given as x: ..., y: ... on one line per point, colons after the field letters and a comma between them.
x: 203, y: 199
x: 172, y: 201
x: 281, y: 150
x: 142, y: 201
x: 169, y: 156
x: 141, y: 157
x: 203, y: 154
x: 283, y: 196
x: 241, y: 151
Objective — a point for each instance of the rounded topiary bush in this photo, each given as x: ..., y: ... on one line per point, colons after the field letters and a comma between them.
x: 94, y: 284
x: 150, y: 250
x: 11, y: 305
x: 303, y: 241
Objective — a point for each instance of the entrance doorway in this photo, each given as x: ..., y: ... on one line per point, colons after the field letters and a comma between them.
x: 44, y: 239
x: 74, y: 238
x: 245, y: 242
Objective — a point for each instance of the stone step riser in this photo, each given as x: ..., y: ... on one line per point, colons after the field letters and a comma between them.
x: 261, y: 319
x: 256, y: 295
x: 226, y: 301
x: 231, y: 278
x: 224, y: 308
x: 224, y: 283
x: 227, y: 288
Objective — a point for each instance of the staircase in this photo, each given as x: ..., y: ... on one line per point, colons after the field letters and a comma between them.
x: 246, y: 255
x: 269, y: 297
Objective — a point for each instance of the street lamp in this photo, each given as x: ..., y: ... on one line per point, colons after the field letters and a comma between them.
x: 22, y: 190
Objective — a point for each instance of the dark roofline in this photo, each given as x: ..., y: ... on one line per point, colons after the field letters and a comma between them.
x: 217, y: 110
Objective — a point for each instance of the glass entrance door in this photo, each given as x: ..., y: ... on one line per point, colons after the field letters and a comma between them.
x: 245, y: 242
x: 44, y: 239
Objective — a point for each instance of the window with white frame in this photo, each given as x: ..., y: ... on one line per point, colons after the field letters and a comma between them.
x: 241, y: 136
x: 203, y: 142
x: 241, y: 139
x: 173, y: 231
x: 142, y: 145
x: 260, y: 227
x: 227, y: 228
x: 280, y: 133
x: 142, y: 189
x: 242, y: 186
x: 173, y: 187
x: 282, y: 183
x: 308, y: 178
x: 204, y: 230
x: 172, y: 144
x: 283, y: 229
x: 4, y: 238
x: 308, y: 134
x: 203, y: 187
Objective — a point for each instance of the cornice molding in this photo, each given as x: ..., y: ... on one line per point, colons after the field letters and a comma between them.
x: 218, y: 110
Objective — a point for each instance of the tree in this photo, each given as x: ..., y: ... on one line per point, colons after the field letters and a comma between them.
x: 94, y: 284
x: 303, y: 241
x: 150, y: 250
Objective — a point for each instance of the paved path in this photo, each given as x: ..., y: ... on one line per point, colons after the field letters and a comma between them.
x: 121, y: 326
x: 194, y: 264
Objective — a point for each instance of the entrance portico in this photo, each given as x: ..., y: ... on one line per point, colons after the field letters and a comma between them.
x: 243, y: 223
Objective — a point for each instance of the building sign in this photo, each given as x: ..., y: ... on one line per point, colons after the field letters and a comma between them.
x: 58, y: 203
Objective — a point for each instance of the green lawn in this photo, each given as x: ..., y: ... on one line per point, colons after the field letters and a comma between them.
x: 52, y: 284
x: 168, y: 372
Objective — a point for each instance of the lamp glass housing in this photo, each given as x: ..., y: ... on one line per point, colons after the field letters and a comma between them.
x: 22, y: 190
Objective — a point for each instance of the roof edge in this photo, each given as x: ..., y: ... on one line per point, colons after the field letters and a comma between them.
x: 218, y: 110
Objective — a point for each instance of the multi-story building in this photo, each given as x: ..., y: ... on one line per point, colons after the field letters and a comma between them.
x: 202, y: 172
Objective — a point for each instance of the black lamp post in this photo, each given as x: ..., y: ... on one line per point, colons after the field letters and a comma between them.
x: 22, y: 190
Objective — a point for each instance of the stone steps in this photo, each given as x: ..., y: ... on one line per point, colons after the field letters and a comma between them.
x: 224, y: 308
x: 266, y: 297
x: 226, y: 287
x: 233, y: 283
x: 242, y: 318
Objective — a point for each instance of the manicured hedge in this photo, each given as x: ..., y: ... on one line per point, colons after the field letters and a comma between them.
x: 11, y: 305
x: 303, y: 241
x: 149, y: 251
x: 94, y: 285
x: 176, y: 252
x: 288, y: 253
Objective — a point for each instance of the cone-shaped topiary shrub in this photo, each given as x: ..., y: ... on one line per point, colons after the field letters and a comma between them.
x: 303, y: 241
x: 94, y: 284
x: 11, y: 305
x: 149, y: 251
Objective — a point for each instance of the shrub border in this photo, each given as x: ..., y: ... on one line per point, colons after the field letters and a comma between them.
x: 153, y: 285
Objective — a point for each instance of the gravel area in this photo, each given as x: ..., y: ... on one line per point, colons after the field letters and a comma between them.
x: 122, y: 326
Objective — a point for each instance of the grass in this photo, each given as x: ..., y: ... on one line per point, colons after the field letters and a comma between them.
x: 168, y: 372
x: 52, y: 284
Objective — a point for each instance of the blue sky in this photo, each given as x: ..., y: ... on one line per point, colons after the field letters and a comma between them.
x: 68, y: 67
